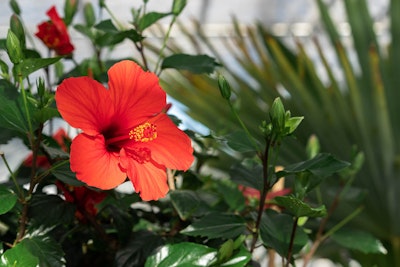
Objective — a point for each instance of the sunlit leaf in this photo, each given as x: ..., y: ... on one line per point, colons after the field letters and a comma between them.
x: 19, y: 256
x: 182, y: 254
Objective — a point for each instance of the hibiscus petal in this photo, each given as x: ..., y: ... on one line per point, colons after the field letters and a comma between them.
x: 136, y: 94
x: 149, y: 180
x: 57, y: 21
x: 93, y: 164
x: 172, y: 147
x: 85, y: 104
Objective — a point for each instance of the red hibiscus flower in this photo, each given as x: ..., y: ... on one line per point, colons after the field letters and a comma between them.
x: 125, y: 131
x: 54, y: 34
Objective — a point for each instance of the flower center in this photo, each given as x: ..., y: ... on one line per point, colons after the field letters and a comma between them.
x: 144, y: 132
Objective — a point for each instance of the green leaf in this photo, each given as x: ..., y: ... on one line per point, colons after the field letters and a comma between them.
x: 123, y: 223
x: 138, y: 249
x: 57, y: 210
x: 182, y: 254
x: 188, y: 203
x: 30, y: 65
x: 48, y: 251
x: 64, y: 174
x: 193, y: 63
x: 106, y: 26
x: 231, y: 194
x: 18, y: 256
x: 322, y: 165
x: 291, y: 124
x: 44, y: 114
x: 298, y: 208
x: 275, y: 232
x: 216, y: 225
x: 150, y: 18
x: 240, y: 142
x: 113, y: 38
x: 240, y: 259
x: 358, y: 240
x: 250, y: 176
x: 7, y: 199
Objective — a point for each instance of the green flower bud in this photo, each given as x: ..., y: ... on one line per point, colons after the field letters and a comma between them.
x: 88, y: 11
x: 13, y: 46
x: 15, y: 7
x: 224, y: 87
x: 277, y: 115
x: 40, y: 87
x: 178, y: 6
x: 70, y: 8
x: 17, y: 28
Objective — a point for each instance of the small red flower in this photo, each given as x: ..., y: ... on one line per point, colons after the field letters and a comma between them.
x: 84, y: 199
x: 124, y: 131
x: 251, y: 193
x: 54, y: 33
x: 41, y: 161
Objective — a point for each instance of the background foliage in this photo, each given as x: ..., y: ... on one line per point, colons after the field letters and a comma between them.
x: 258, y: 135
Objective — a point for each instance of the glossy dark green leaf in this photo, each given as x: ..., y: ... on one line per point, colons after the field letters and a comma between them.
x: 138, y: 249
x: 48, y: 250
x: 216, y: 225
x: 182, y: 254
x: 240, y: 259
x: 239, y: 141
x: 19, y: 256
x: 30, y: 65
x: 106, y: 26
x: 123, y: 223
x: 7, y: 199
x: 11, y: 116
x: 150, y: 18
x: 188, y: 203
x: 57, y: 210
x: 64, y: 174
x: 193, y: 63
x: 298, y: 208
x: 358, y: 240
x: 275, y: 232
x: 322, y: 165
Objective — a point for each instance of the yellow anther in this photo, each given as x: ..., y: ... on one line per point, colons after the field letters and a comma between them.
x: 144, y: 132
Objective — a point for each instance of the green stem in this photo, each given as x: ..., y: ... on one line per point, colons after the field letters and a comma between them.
x: 342, y: 223
x: 164, y: 45
x: 28, y: 116
x: 114, y: 18
x: 14, y: 179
